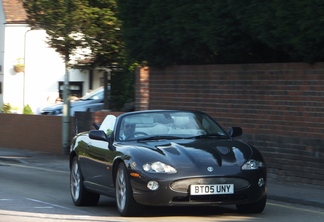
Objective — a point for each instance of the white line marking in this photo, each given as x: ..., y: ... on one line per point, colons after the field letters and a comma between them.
x: 37, y: 168
x: 53, y: 205
x: 44, y: 207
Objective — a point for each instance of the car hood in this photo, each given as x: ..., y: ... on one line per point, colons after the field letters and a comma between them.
x: 72, y: 104
x: 53, y: 107
x: 200, y: 153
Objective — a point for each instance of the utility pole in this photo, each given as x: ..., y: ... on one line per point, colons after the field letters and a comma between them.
x: 66, y: 99
x: 66, y: 111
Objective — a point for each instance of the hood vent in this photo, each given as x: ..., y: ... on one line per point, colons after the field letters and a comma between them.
x: 222, y: 149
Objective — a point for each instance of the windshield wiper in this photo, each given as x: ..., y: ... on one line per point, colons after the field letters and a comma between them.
x: 210, y: 135
x: 158, y: 138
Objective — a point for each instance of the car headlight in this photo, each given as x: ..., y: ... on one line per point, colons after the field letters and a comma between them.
x: 57, y: 111
x: 252, y: 165
x: 158, y: 167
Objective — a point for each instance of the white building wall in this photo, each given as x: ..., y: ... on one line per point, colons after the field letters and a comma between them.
x: 44, y: 68
x: 13, y: 49
x: 2, y: 30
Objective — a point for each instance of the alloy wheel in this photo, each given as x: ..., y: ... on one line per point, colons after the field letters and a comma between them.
x: 121, y: 188
x: 75, y: 180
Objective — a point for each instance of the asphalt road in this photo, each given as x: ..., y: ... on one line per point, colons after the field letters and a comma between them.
x: 40, y: 192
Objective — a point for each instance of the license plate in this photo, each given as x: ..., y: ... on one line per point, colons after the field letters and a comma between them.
x: 212, y: 189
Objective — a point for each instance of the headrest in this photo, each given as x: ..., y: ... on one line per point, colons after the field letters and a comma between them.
x: 181, y: 121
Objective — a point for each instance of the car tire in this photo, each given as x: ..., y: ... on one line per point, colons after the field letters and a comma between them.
x: 126, y: 204
x: 256, y: 207
x: 79, y: 194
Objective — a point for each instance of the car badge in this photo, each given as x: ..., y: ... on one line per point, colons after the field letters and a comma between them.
x: 210, y: 169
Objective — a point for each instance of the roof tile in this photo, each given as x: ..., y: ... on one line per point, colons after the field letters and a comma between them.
x: 14, y: 11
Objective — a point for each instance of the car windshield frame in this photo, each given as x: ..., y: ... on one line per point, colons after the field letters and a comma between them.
x: 164, y: 125
x: 95, y: 92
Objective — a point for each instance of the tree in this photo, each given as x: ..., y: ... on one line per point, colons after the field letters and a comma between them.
x: 214, y: 32
x: 101, y: 29
x: 75, y: 26
x: 293, y: 27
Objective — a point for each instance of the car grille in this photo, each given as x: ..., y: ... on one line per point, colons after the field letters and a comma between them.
x: 210, y: 199
x: 183, y: 185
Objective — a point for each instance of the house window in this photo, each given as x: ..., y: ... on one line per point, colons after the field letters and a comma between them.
x: 76, y: 89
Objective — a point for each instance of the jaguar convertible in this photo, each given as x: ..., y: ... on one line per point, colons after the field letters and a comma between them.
x: 166, y: 158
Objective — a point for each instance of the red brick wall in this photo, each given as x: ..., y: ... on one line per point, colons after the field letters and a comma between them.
x: 37, y: 132
x: 142, y: 92
x: 32, y: 132
x: 279, y: 106
x: 99, y: 116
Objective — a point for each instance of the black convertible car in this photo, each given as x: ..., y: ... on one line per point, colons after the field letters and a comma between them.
x: 166, y: 158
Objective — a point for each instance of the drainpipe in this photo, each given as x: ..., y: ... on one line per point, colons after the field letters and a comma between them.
x: 24, y: 75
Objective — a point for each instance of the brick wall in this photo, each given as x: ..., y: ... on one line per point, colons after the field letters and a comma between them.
x: 32, y: 132
x: 142, y: 91
x: 99, y: 116
x: 279, y: 106
x: 41, y: 133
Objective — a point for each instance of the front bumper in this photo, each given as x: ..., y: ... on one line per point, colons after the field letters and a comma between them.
x: 176, y: 192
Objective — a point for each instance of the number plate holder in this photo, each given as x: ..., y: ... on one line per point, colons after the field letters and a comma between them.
x: 211, y: 189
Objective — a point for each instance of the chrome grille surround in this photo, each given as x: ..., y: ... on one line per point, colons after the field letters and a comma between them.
x: 183, y: 185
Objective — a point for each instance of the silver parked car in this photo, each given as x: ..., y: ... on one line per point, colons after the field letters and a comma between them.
x: 92, y: 101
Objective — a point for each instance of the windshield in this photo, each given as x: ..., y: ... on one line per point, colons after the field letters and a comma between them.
x: 168, y: 125
x: 94, y: 94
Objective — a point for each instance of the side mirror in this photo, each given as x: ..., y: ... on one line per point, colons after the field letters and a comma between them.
x: 235, y: 131
x: 98, y: 135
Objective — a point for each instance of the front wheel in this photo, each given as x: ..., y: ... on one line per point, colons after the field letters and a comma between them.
x: 126, y: 204
x: 256, y: 207
x: 80, y: 196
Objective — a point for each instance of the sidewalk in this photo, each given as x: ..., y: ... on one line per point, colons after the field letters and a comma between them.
x: 298, y: 194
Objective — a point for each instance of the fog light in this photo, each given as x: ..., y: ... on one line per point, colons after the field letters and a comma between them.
x: 153, y: 185
x: 261, y: 182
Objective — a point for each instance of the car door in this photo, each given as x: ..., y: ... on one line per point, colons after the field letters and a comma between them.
x: 99, y: 158
x: 96, y: 164
x: 99, y: 167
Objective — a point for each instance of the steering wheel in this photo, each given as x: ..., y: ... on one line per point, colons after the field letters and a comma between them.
x: 135, y: 134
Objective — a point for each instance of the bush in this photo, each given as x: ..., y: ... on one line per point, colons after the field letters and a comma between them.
x: 27, y: 110
x: 6, y: 108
